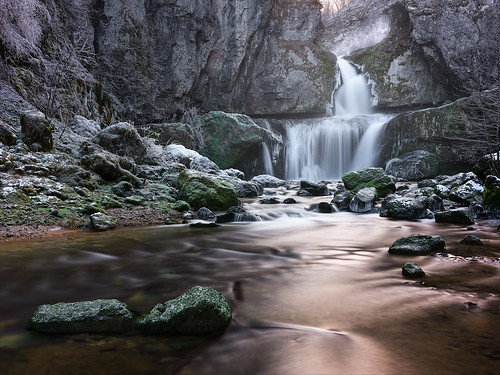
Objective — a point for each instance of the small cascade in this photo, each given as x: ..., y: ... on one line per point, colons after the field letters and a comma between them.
x: 266, y: 157
x: 325, y: 149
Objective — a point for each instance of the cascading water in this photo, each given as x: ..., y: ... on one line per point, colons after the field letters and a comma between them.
x: 327, y: 148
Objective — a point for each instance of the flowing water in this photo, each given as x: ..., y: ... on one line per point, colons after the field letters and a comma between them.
x: 327, y: 148
x: 311, y: 294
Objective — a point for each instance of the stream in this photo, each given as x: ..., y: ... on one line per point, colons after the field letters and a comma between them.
x: 311, y: 294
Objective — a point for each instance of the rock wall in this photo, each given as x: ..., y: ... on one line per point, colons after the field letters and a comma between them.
x: 420, y: 52
x: 247, y: 56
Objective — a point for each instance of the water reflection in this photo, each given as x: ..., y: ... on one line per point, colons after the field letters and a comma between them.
x: 311, y: 294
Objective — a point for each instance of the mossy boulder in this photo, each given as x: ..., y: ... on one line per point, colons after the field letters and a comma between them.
x: 417, y: 244
x: 100, y: 222
x: 205, y: 190
x: 5, y: 160
x: 491, y: 195
x: 227, y: 137
x: 201, y: 310
x: 369, y: 177
x: 122, y: 139
x: 102, y: 315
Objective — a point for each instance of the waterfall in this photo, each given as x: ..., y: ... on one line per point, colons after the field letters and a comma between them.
x: 266, y: 156
x: 325, y: 149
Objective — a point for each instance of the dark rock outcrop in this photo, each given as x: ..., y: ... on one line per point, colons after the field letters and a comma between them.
x: 456, y: 216
x: 313, y: 188
x: 470, y: 239
x: 491, y: 195
x: 199, y: 311
x: 413, y: 166
x: 412, y: 270
x: 36, y: 131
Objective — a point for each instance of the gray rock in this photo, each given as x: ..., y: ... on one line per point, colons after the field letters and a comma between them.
x: 442, y: 191
x: 37, y: 130
x: 101, y: 222
x: 233, y: 172
x: 431, y: 182
x: 5, y: 160
x: 404, y: 208
x: 84, y: 127
x: 412, y: 270
x: 123, y: 189
x: 108, y: 167
x: 470, y: 239
x: 417, y: 244
x: 268, y: 181
x: 205, y: 214
x: 468, y: 193
x: 199, y: 311
x: 342, y: 199
x: 289, y: 201
x: 455, y: 216
x: 103, y: 315
x: 7, y: 134
x: 124, y: 140
x: 313, y: 188
x: 190, y: 159
x: 245, y: 188
x: 364, y: 200
x: 413, y: 166
x: 435, y: 203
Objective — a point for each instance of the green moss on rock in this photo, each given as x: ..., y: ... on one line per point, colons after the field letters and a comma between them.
x: 369, y: 177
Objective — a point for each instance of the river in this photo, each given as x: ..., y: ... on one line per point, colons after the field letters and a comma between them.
x: 311, y: 294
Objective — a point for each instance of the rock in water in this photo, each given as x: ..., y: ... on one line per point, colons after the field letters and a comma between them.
x: 405, y: 208
x: 363, y: 201
x: 201, y: 310
x: 417, y: 244
x: 268, y: 181
x: 102, y: 315
x: 456, y: 216
x: 313, y: 188
x: 412, y: 270
x: 369, y: 177
x: 470, y: 239
x: 413, y: 166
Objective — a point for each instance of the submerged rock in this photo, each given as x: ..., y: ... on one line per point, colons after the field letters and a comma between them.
x: 103, y: 315
x: 417, y: 244
x: 201, y: 310
x: 470, y: 239
x: 412, y: 270
x: 455, y: 216
x: 369, y: 177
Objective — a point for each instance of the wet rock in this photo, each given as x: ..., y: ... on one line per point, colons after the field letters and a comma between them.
x: 204, y: 225
x: 230, y: 215
x: 369, y: 177
x: 289, y: 201
x: 442, y: 191
x: 417, y: 244
x: 271, y: 200
x: 103, y: 315
x: 313, y: 188
x: 325, y: 208
x: 491, y: 196
x: 37, y: 131
x: 468, y: 193
x: 342, y: 199
x: 206, y: 190
x: 364, y: 200
x: 205, y: 214
x: 404, y: 208
x: 201, y: 310
x: 456, y: 216
x: 246, y: 189
x: 101, y: 222
x: 470, y: 239
x: 412, y: 270
x: 457, y: 180
x: 413, y: 166
x: 268, y: 181
x: 431, y: 182
x: 435, y: 203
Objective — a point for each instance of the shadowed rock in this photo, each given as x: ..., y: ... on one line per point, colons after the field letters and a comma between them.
x: 417, y: 244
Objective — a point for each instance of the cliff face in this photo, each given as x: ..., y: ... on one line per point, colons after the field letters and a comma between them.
x: 255, y: 57
x: 420, y: 52
x: 155, y: 58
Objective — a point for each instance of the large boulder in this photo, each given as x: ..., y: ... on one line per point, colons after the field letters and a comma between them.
x: 191, y: 159
x: 100, y: 222
x: 36, y: 131
x: 101, y: 315
x: 124, y: 140
x: 199, y: 311
x: 455, y: 216
x: 363, y: 201
x: 205, y: 190
x: 227, y: 137
x: 468, y: 193
x: 108, y: 166
x: 313, y: 188
x: 342, y: 198
x: 7, y: 134
x: 412, y: 270
x: 369, y: 177
x: 417, y: 244
x: 84, y: 127
x: 491, y: 195
x: 413, y: 166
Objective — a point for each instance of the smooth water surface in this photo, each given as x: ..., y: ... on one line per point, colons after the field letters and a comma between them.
x: 310, y: 293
